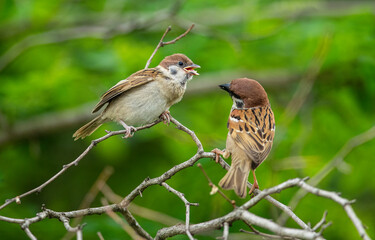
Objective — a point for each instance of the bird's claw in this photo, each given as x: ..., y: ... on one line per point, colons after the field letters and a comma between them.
x: 166, y: 117
x: 130, y: 130
x: 217, y: 152
x: 255, y: 186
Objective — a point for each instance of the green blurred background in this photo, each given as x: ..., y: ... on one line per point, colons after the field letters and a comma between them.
x: 316, y: 60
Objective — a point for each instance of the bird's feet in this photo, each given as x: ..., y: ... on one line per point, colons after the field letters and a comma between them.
x: 130, y: 130
x: 217, y: 152
x: 255, y: 184
x: 166, y: 117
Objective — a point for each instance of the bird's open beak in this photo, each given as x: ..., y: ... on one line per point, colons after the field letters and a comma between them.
x: 190, y: 69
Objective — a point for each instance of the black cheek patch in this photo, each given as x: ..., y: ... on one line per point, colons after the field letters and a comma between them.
x: 173, y: 71
x: 239, y: 104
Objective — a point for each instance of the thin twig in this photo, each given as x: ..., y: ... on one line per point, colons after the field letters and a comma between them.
x: 187, y: 206
x: 321, y: 222
x: 265, y: 235
x: 30, y: 234
x: 331, y: 165
x: 235, y: 215
x: 129, y: 230
x: 134, y: 224
x: 162, y: 44
x: 75, y: 162
x: 100, y: 236
x: 270, y: 199
x: 215, y: 188
x: 226, y: 231
x: 169, y: 28
x: 240, y: 213
x: 140, y: 211
x: 346, y: 204
x: 91, y: 195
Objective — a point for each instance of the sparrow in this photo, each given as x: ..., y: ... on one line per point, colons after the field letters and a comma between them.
x: 143, y: 96
x: 251, y: 129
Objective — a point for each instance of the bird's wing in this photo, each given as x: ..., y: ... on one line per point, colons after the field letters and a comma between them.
x: 137, y: 79
x: 253, y: 130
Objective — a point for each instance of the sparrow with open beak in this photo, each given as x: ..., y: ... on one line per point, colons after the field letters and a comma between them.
x: 251, y: 126
x: 143, y: 96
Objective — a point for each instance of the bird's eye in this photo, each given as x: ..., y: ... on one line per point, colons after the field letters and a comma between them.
x: 180, y: 63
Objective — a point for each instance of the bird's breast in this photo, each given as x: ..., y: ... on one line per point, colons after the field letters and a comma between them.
x: 139, y: 106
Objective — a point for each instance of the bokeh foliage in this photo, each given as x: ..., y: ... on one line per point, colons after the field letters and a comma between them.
x: 279, y: 39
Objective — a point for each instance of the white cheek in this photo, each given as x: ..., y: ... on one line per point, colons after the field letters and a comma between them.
x: 177, y: 73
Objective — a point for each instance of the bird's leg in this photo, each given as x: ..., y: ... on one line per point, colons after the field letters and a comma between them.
x: 129, y: 130
x: 255, y: 184
x: 219, y: 152
x: 166, y: 117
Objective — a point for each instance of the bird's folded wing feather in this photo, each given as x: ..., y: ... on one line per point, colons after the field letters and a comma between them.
x: 253, y: 130
x: 137, y: 79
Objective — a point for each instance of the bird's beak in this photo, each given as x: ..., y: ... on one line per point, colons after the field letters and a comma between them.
x: 190, y: 69
x: 225, y: 87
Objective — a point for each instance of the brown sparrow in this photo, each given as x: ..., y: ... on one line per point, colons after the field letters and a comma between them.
x: 143, y: 96
x: 251, y: 126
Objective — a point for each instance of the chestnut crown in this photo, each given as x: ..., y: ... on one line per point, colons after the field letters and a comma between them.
x: 248, y: 90
x: 176, y: 59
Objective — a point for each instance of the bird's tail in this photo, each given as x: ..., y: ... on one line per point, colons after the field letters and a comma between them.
x: 236, y: 177
x: 89, y: 128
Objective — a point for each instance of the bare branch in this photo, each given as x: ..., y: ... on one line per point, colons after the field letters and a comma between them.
x: 332, y: 164
x: 187, y: 206
x: 321, y: 222
x: 346, y: 204
x: 267, y: 236
x: 169, y: 28
x: 135, y: 225
x: 237, y: 214
x: 273, y: 201
x: 162, y: 44
x: 226, y: 231
x: 140, y: 211
x: 91, y: 195
x: 77, y: 230
x: 129, y: 230
x: 75, y: 162
x: 29, y: 234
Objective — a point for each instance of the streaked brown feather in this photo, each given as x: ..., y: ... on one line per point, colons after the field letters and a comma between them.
x: 253, y: 130
x: 137, y: 79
